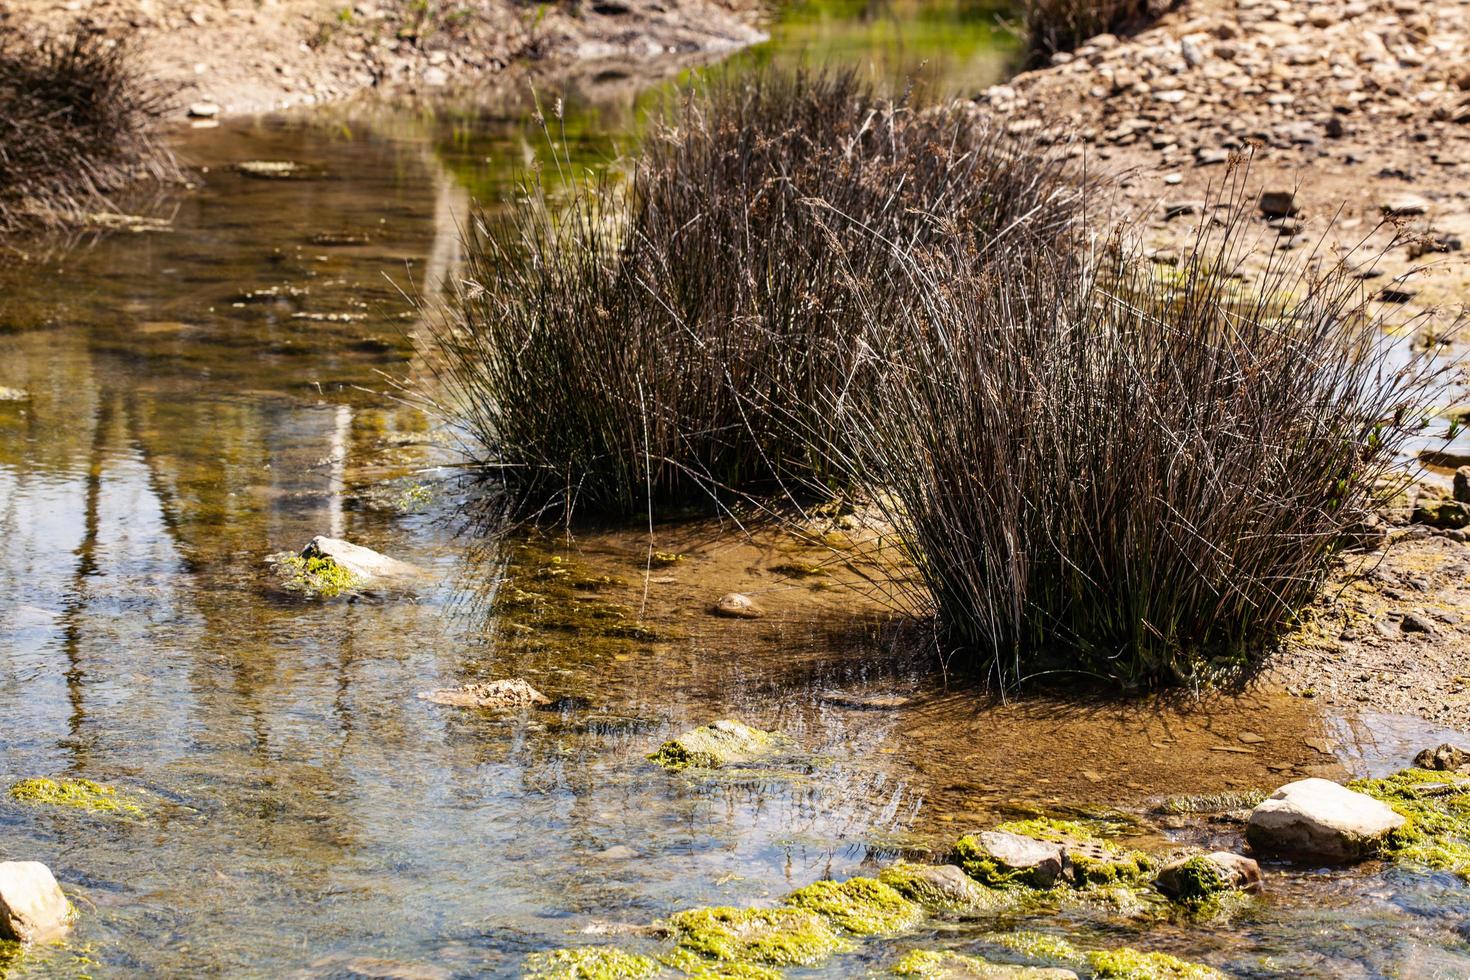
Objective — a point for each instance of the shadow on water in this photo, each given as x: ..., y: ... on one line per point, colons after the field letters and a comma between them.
x: 200, y: 397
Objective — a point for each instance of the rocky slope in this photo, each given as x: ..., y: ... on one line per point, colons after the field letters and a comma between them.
x: 249, y: 55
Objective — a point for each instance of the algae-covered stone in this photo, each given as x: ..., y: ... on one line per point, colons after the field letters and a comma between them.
x: 859, y: 905
x: 949, y: 965
x: 770, y: 937
x: 1317, y: 819
x: 508, y: 693
x: 32, y: 906
x: 589, y: 963
x: 315, y: 577
x: 1202, y: 876
x: 1435, y: 807
x: 691, y: 964
x: 78, y: 794
x: 724, y: 743
x: 1130, y: 964
x: 937, y: 887
x: 1000, y: 859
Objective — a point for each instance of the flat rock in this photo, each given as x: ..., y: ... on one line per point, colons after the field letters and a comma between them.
x: 1278, y: 204
x: 509, y: 693
x: 32, y: 906
x: 939, y: 887
x: 1317, y: 819
x: 723, y: 743
x: 363, y: 563
x: 735, y: 605
x: 1404, y: 205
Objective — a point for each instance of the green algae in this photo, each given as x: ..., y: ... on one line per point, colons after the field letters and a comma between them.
x: 1050, y: 829
x: 1105, y: 865
x: 589, y: 963
x: 1123, y: 963
x: 691, y: 964
x: 770, y: 937
x: 860, y: 905
x: 317, y: 576
x: 1199, y: 878
x: 665, y: 559
x: 722, y: 743
x: 1130, y: 964
x: 78, y: 794
x: 1213, y: 802
x: 1436, y: 806
x: 949, y: 965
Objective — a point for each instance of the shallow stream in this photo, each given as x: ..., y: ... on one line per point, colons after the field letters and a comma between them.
x: 203, y: 396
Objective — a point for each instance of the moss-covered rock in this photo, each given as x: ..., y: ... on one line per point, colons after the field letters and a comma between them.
x: 1130, y: 964
x: 999, y: 859
x: 1436, y: 805
x: 724, y: 743
x: 314, y: 577
x: 937, y: 887
x: 1213, y: 802
x: 691, y: 964
x: 1205, y: 877
x: 859, y: 905
x: 948, y: 965
x: 769, y: 937
x: 589, y: 963
x: 78, y: 794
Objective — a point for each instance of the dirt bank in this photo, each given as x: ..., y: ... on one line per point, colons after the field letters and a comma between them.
x: 251, y: 55
x: 1351, y: 109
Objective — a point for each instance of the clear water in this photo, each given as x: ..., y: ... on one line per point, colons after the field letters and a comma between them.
x: 204, y: 396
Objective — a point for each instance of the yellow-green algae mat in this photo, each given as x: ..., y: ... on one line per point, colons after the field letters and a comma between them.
x: 1436, y: 805
x: 76, y: 794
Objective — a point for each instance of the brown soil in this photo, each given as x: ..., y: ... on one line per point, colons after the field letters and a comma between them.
x: 1349, y: 107
x: 253, y: 55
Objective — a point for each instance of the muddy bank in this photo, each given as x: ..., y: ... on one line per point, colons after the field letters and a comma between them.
x: 241, y: 57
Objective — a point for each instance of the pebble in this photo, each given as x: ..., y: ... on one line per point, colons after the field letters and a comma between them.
x: 203, y: 110
x: 735, y: 605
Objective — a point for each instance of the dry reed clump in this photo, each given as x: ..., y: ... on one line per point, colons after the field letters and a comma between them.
x: 669, y: 344
x: 77, y: 124
x: 1061, y: 25
x: 1097, y: 469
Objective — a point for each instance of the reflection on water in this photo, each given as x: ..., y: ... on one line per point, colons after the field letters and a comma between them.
x: 202, y: 397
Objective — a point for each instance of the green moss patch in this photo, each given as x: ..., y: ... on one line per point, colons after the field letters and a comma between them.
x: 859, y: 905
x: 691, y: 964
x: 1049, y: 829
x: 1213, y: 802
x: 769, y: 937
x: 78, y: 794
x: 1038, y: 946
x: 976, y: 861
x: 589, y: 963
x: 318, y: 577
x: 1437, y: 808
x: 949, y: 965
x: 724, y: 743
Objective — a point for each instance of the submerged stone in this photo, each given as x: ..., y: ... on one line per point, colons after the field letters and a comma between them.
x: 32, y: 906
x: 509, y: 693
x: 1203, y: 876
x: 769, y: 937
x: 937, y: 887
x: 1317, y: 819
x: 734, y: 605
x: 949, y: 965
x: 723, y: 743
x: 589, y: 963
x: 364, y: 563
x: 79, y: 794
x: 859, y: 905
x: 999, y: 859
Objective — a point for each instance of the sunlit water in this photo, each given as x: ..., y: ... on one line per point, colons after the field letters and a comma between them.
x: 202, y: 397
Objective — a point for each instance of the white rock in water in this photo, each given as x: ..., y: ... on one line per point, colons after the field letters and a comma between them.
x: 363, y: 563
x: 32, y: 907
x: 1317, y: 819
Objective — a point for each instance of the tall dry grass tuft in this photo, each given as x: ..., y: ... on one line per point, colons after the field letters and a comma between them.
x: 77, y: 120
x: 669, y: 344
x: 1102, y: 467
